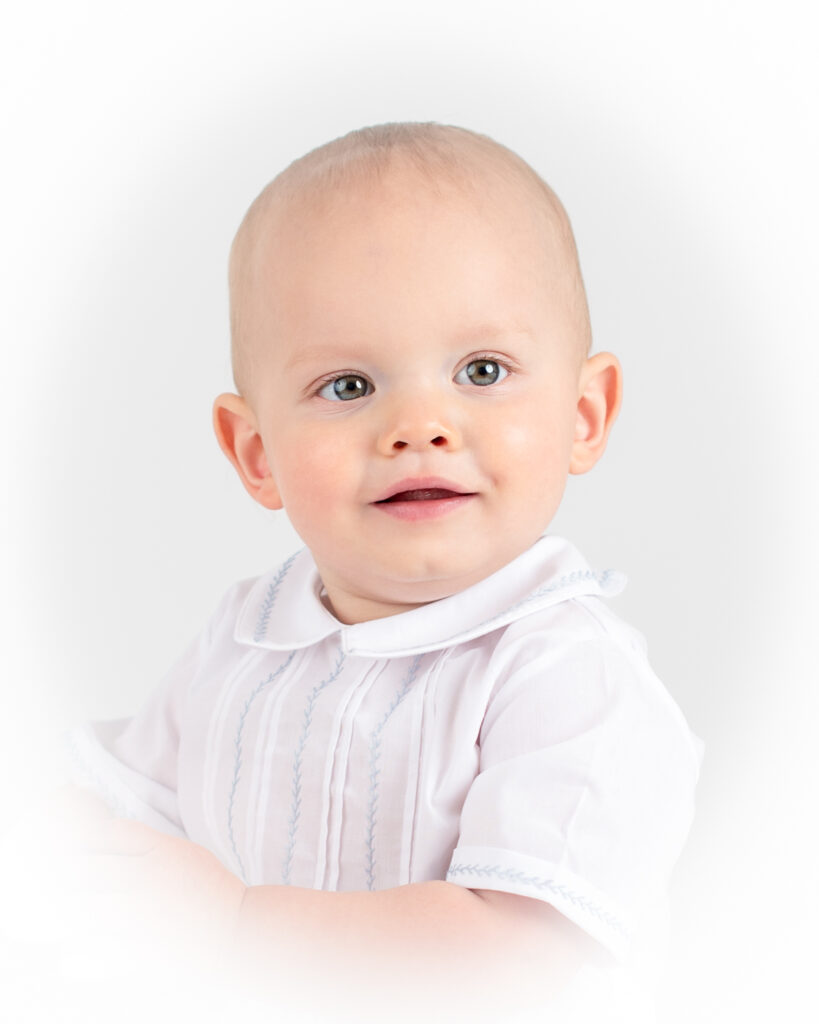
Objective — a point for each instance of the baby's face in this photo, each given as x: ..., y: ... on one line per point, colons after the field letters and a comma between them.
x: 418, y: 393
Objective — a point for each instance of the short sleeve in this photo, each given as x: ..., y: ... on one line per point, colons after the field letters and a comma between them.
x: 585, y: 792
x: 133, y: 763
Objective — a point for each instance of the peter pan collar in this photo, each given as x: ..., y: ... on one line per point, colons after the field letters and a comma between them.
x: 551, y: 571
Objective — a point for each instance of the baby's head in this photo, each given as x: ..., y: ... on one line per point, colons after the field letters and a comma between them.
x: 410, y: 345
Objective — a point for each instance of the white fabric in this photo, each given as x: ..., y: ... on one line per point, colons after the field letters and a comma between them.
x: 512, y: 737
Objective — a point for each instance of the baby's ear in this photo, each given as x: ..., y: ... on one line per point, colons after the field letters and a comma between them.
x: 601, y: 391
x: 239, y: 438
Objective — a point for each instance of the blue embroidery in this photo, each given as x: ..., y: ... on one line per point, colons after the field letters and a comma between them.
x: 295, y: 812
x: 270, y: 600
x: 237, y: 763
x: 375, y: 754
x: 543, y: 884
x: 564, y: 583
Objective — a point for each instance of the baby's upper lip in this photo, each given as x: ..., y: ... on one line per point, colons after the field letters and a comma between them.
x: 416, y: 484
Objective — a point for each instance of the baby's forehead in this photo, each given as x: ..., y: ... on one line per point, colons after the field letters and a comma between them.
x: 456, y: 167
x: 320, y: 196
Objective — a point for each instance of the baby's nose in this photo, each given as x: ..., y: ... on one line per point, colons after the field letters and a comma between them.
x: 418, y: 426
x: 438, y: 440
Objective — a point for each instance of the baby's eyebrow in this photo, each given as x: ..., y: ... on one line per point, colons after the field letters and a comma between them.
x: 489, y: 331
x: 482, y: 334
x: 316, y: 354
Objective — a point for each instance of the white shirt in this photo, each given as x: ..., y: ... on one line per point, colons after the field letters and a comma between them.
x: 511, y: 737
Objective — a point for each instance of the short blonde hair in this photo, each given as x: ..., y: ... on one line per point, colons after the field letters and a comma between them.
x: 439, y: 154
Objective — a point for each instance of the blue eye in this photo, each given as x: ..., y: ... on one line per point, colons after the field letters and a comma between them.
x: 481, y: 372
x: 346, y: 388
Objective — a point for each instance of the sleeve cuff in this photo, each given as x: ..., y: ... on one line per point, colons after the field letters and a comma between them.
x: 90, y: 766
x: 480, y: 867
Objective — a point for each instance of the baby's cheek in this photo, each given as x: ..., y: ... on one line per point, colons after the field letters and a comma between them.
x: 523, y: 442
x: 315, y: 482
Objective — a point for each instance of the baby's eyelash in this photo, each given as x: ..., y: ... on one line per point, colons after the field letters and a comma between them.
x: 327, y: 387
x: 331, y: 378
x: 483, y: 371
x: 490, y: 357
x: 314, y: 390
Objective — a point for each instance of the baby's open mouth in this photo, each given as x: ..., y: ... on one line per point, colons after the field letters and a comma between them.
x: 420, y: 501
x: 422, y: 494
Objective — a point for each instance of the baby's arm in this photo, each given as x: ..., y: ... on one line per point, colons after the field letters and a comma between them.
x: 482, y: 945
x: 478, y: 940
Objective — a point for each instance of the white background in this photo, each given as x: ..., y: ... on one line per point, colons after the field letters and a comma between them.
x: 682, y: 139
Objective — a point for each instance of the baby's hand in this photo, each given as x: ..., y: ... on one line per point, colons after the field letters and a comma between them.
x: 167, y: 885
x: 110, y: 898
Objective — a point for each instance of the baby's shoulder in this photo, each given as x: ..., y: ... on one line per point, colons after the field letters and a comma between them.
x: 566, y: 629
x: 577, y: 650
x: 579, y: 664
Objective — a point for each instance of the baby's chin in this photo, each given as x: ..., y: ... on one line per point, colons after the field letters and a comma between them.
x: 376, y: 596
x: 351, y: 607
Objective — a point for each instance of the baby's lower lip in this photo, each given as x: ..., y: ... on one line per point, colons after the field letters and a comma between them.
x: 424, y: 503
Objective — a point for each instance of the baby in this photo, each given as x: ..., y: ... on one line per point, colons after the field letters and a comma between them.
x: 424, y: 737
